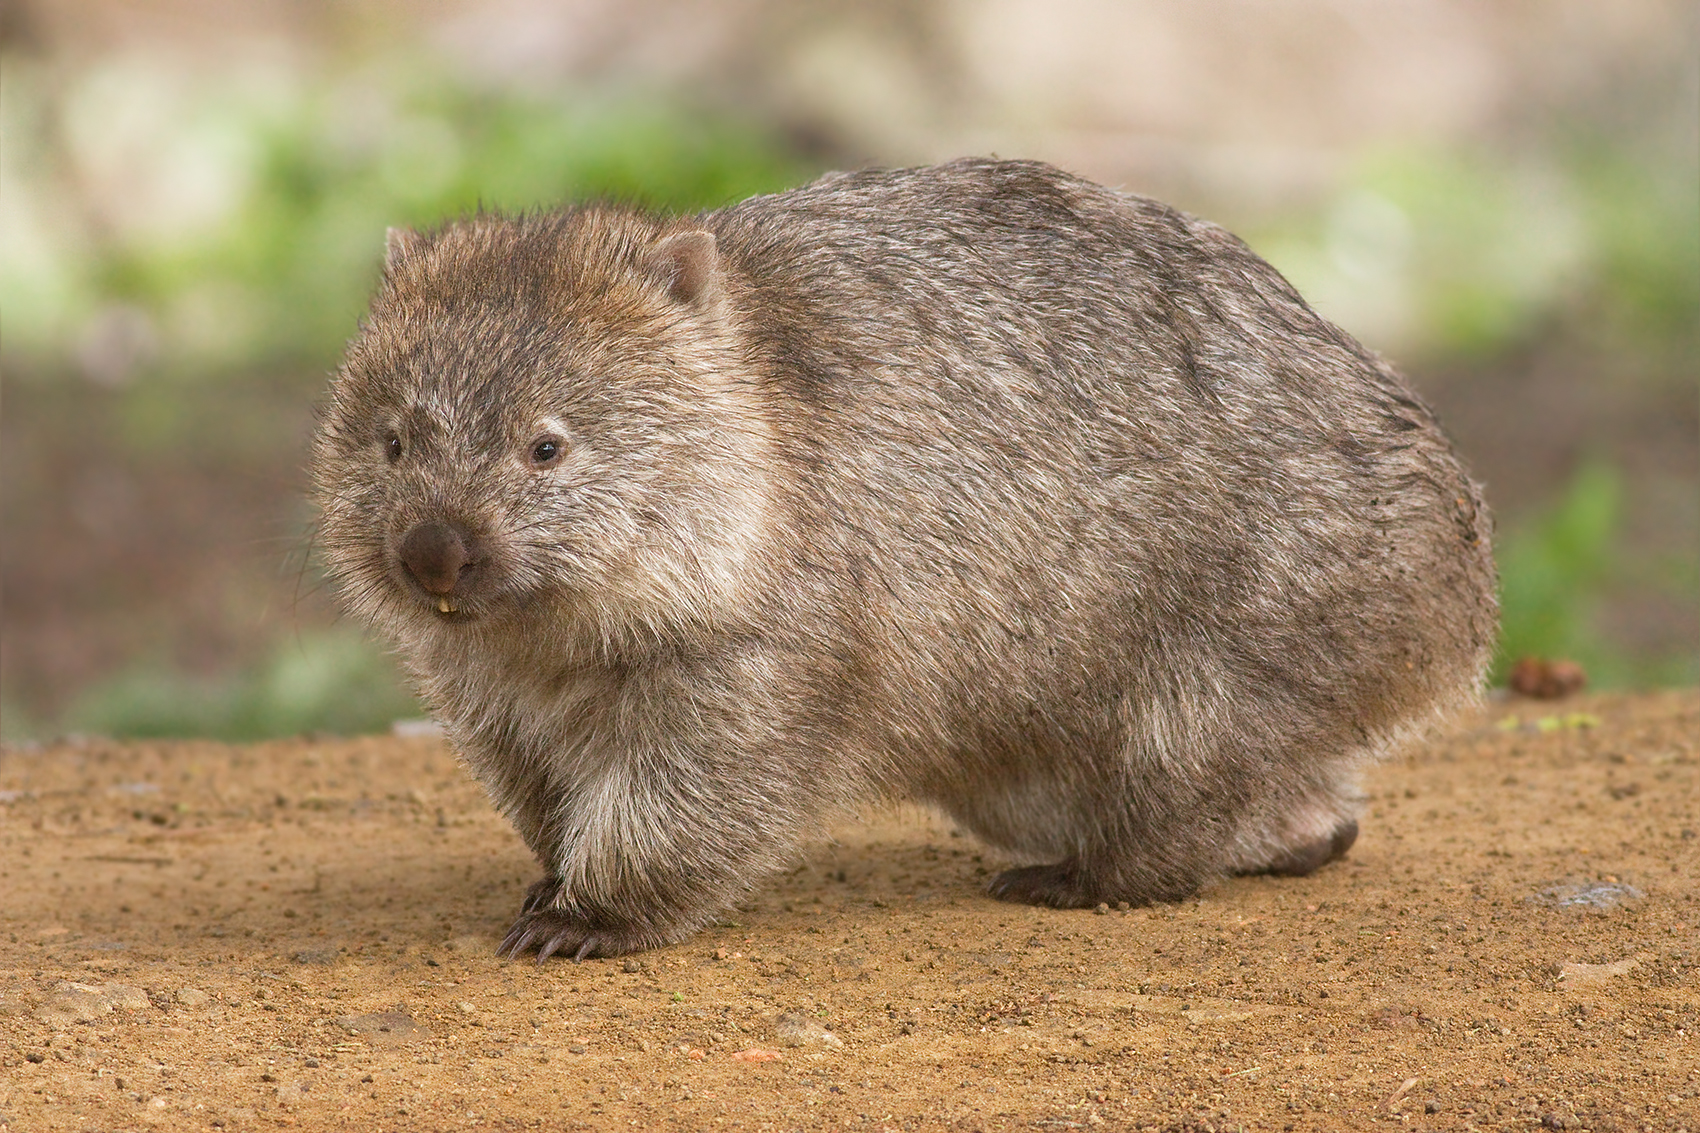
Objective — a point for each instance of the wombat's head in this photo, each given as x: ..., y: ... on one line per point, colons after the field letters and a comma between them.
x: 547, y: 414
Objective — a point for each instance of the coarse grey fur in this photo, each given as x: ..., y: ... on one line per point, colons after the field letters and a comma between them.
x: 978, y: 484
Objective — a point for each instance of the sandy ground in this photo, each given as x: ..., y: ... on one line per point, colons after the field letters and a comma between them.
x: 195, y: 936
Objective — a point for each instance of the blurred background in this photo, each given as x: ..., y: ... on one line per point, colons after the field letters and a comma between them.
x: 1501, y: 195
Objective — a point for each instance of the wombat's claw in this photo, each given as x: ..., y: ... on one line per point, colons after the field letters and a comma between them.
x: 548, y: 931
x: 1055, y: 885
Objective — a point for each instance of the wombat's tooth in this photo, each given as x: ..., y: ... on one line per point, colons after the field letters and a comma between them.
x: 445, y: 606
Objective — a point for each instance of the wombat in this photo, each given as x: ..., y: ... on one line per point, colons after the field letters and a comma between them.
x: 978, y: 485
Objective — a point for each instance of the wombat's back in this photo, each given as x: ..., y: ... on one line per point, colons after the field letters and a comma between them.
x: 1102, y: 486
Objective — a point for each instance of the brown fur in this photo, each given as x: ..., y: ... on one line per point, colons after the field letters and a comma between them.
x: 978, y: 484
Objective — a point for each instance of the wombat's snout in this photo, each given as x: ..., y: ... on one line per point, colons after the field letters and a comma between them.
x: 442, y: 558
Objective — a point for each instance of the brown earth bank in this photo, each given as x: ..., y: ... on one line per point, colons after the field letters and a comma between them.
x: 301, y: 934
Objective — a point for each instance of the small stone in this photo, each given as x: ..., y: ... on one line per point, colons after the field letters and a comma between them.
x: 84, y: 1003
x: 193, y: 998
x: 1431, y: 1106
x: 794, y: 1028
x: 1594, y: 973
x: 122, y: 997
x: 755, y: 1054
x: 632, y: 966
x: 1102, y: 909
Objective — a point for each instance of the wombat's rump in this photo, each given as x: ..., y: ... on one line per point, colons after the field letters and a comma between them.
x: 978, y: 484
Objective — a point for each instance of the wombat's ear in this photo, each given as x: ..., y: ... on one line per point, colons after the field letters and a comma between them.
x: 687, y: 263
x: 400, y: 245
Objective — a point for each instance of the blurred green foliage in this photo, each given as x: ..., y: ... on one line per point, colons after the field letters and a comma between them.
x: 1455, y: 254
x: 329, y: 681
x: 280, y: 279
x: 1551, y: 566
x: 1465, y: 253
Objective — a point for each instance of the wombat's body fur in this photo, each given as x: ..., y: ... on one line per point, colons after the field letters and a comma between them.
x: 978, y: 484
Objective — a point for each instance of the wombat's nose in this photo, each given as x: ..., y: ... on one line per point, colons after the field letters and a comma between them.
x: 437, y: 557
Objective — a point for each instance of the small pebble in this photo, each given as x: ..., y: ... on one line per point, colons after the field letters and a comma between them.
x: 192, y: 998
x: 794, y: 1028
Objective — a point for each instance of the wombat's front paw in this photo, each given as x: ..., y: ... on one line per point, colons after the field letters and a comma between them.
x: 549, y: 930
x: 1055, y: 885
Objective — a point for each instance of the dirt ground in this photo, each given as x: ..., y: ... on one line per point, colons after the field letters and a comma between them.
x: 195, y: 936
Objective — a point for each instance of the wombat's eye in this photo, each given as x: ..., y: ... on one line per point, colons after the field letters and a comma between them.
x: 547, y: 450
x: 392, y: 447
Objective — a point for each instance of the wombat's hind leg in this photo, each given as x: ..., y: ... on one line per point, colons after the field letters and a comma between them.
x: 1301, y: 860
